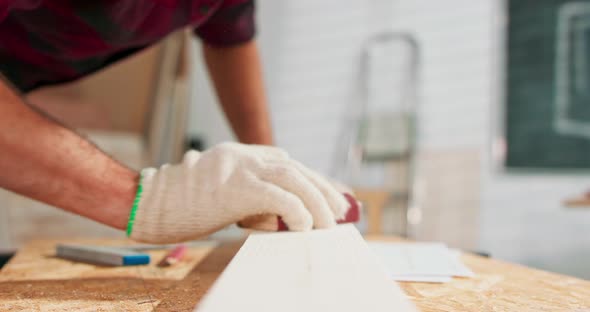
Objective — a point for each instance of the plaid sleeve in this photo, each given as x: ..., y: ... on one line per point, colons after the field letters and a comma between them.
x: 233, y: 23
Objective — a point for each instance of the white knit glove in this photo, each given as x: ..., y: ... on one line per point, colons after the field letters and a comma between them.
x: 226, y: 184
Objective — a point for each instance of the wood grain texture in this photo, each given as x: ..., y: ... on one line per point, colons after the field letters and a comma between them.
x: 34, y: 280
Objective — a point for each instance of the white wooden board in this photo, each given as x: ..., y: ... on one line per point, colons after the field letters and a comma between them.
x: 321, y: 270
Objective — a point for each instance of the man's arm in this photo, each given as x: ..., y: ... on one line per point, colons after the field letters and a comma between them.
x: 45, y: 161
x: 237, y: 77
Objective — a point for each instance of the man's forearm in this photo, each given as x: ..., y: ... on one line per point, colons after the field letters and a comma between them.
x: 45, y: 161
x: 237, y: 76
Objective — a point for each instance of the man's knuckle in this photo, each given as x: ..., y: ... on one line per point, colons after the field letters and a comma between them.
x: 284, y: 172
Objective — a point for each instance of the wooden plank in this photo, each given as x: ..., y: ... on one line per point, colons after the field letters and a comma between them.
x: 35, y: 279
x: 316, y: 271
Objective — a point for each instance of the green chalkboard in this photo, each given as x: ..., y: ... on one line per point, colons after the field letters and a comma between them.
x: 547, y: 114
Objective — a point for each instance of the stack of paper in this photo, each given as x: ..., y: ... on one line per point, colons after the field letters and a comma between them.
x: 420, y: 262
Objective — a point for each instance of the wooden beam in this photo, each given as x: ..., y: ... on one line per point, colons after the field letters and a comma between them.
x: 316, y: 271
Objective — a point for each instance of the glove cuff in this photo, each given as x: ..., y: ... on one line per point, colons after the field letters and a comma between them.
x: 133, y: 212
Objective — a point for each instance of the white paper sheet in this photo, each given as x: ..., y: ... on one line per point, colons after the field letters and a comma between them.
x: 420, y: 262
x: 321, y: 270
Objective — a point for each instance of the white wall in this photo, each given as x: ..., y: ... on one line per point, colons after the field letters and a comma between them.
x: 523, y: 221
x: 312, y: 57
x: 312, y: 52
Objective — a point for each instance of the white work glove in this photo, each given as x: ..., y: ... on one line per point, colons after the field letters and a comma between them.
x: 227, y: 184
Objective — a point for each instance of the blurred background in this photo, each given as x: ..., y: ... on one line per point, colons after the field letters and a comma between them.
x: 459, y: 121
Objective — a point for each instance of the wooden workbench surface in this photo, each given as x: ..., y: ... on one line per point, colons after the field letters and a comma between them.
x: 34, y: 280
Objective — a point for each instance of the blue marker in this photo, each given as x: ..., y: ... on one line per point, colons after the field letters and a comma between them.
x: 102, y: 255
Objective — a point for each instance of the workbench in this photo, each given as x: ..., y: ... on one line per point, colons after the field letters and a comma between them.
x: 35, y: 280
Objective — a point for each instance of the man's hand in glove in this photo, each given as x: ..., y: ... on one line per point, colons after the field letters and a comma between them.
x: 226, y: 184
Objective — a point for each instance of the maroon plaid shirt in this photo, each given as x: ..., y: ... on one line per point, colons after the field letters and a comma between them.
x: 45, y: 42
